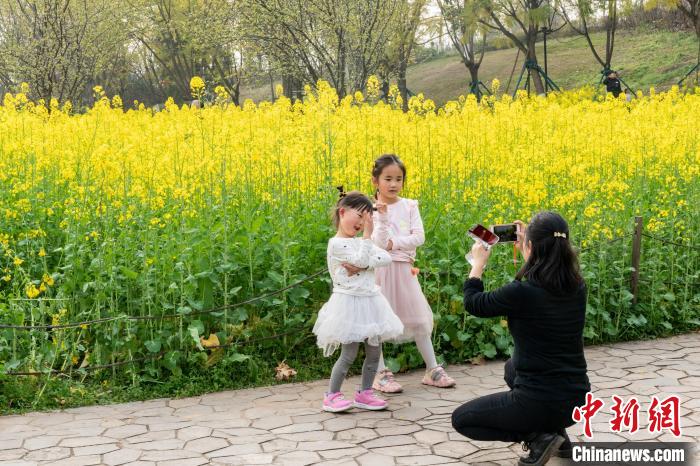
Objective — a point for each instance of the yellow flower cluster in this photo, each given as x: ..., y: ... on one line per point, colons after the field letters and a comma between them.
x: 197, y: 86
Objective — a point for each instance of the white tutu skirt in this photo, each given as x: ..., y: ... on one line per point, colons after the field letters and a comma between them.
x: 348, y: 319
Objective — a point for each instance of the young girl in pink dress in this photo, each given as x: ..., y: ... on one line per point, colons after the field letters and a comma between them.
x: 399, y: 282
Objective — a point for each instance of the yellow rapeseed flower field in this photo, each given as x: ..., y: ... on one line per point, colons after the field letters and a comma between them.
x: 122, y: 209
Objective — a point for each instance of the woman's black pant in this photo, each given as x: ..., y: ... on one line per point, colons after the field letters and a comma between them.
x: 511, y: 416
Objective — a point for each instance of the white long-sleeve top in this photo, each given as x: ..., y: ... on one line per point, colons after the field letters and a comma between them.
x: 361, y: 253
x: 402, y: 225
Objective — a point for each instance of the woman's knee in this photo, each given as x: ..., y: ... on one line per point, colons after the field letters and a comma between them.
x: 462, y: 417
x: 463, y: 422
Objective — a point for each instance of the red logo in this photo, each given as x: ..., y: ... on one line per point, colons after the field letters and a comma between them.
x: 667, y: 417
x: 663, y: 414
x: 587, y: 412
x: 626, y: 415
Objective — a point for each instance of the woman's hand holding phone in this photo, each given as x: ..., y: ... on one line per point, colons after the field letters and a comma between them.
x: 479, y: 257
x: 521, y: 235
x: 480, y: 252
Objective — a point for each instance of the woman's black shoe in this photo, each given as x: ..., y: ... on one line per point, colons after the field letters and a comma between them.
x: 565, y: 450
x: 541, y: 449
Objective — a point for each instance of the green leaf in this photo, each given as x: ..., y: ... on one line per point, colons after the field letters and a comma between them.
x: 299, y: 294
x: 237, y: 357
x: 238, y: 315
x: 489, y: 350
x: 153, y: 345
x: 257, y: 223
x: 170, y: 361
x: 184, y: 310
x: 275, y: 276
x: 669, y: 297
x: 626, y: 295
x: 195, y: 333
x: 637, y: 320
x: 502, y: 342
x: 392, y: 364
x: 128, y: 273
x: 12, y: 364
x: 199, y: 325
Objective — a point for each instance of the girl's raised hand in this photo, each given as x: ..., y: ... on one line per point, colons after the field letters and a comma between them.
x: 368, y: 225
x: 381, y: 207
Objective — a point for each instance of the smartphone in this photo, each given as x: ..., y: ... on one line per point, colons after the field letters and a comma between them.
x: 507, y: 233
x: 479, y: 232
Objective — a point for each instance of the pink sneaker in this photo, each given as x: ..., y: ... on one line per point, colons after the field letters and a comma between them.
x: 384, y: 382
x: 336, y: 403
x: 437, y: 377
x: 366, y: 399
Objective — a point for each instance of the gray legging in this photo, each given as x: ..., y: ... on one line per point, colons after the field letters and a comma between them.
x: 348, y: 353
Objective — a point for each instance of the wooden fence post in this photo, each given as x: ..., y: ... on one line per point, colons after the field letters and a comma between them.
x: 636, y: 255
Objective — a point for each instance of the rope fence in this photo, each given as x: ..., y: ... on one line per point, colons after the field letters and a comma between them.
x: 691, y: 246
x: 165, y: 316
x: 214, y: 309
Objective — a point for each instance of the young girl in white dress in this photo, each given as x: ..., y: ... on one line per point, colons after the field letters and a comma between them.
x: 356, y: 311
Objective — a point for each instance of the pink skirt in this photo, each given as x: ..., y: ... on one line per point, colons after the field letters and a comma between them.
x: 402, y: 289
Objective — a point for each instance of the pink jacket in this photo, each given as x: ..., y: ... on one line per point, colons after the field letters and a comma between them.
x: 403, y: 226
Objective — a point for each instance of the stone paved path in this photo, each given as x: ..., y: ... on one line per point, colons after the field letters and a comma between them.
x: 284, y: 425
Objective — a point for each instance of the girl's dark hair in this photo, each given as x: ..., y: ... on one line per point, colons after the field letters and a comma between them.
x: 352, y: 200
x: 384, y: 161
x: 553, y: 264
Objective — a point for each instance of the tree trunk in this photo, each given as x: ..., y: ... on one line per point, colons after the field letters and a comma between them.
x: 343, y: 74
x: 385, y: 88
x: 532, y: 57
x: 473, y: 72
x: 236, y: 94
x: 272, y: 88
x: 292, y: 87
x: 401, y: 82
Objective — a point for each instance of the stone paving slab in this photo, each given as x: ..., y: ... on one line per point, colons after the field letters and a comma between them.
x: 283, y: 425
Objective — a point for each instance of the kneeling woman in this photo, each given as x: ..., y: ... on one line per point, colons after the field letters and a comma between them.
x: 547, y: 372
